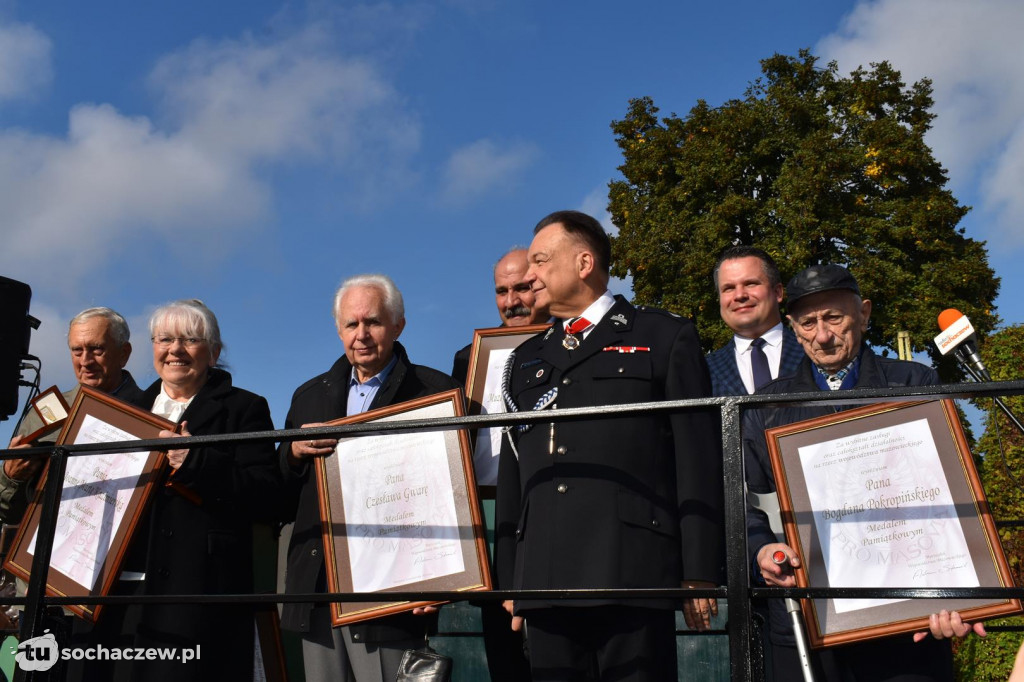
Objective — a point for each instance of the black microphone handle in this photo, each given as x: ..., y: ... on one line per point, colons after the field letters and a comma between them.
x: 967, y: 354
x: 980, y: 378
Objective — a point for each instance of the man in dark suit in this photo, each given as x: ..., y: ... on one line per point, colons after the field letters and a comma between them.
x: 375, y: 371
x: 98, y: 339
x: 628, y: 502
x: 516, y: 308
x: 749, y: 293
x: 830, y: 318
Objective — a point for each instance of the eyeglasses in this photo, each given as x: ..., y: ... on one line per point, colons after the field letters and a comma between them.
x: 168, y: 341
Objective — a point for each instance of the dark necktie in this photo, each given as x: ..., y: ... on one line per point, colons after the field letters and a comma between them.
x: 759, y: 363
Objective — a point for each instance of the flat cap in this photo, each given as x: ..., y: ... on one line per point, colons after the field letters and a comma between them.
x: 818, y: 278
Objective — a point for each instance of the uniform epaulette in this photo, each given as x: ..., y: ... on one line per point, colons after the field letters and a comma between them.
x: 660, y: 311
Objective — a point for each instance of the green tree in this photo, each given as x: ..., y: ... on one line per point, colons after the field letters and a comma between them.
x: 1000, y: 454
x: 814, y: 168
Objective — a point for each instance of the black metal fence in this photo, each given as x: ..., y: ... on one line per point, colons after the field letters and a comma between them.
x: 737, y: 591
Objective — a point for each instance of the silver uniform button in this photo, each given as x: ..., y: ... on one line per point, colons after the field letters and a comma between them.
x: 562, y: 449
x: 566, y: 381
x: 562, y: 487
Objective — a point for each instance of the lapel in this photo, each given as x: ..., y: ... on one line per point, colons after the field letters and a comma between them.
x: 207, y: 404
x: 725, y: 375
x: 870, y: 373
x: 792, y: 353
x: 616, y: 323
x: 336, y: 404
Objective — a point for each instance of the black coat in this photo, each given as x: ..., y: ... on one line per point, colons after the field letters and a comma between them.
x: 624, y: 502
x: 207, y: 548
x: 324, y: 398
x: 460, y: 364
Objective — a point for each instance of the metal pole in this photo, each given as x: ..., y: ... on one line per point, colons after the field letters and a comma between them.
x: 34, y: 617
x: 737, y: 570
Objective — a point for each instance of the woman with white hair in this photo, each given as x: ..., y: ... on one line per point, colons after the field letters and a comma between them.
x: 199, y: 538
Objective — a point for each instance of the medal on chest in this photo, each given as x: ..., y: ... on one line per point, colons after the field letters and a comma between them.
x: 572, y: 328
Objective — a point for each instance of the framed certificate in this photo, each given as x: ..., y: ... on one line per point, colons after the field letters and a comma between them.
x: 51, y: 409
x: 399, y: 511
x: 103, y: 497
x: 491, y: 348
x: 886, y: 496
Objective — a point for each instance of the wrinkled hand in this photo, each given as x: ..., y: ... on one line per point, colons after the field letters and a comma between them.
x: 517, y: 621
x: 698, y: 612
x: 945, y: 624
x: 176, y: 457
x: 778, y: 574
x: 302, y: 450
x: 21, y: 469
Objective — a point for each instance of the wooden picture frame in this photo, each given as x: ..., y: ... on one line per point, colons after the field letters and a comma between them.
x: 399, y: 511
x: 98, y: 514
x: 269, y: 664
x: 51, y: 409
x: 491, y: 348
x: 886, y: 496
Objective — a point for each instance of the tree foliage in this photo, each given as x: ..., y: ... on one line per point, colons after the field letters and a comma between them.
x: 814, y: 168
x: 1001, y: 455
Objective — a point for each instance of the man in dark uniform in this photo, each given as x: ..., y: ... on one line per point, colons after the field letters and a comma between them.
x: 830, y: 319
x: 514, y: 299
x: 749, y: 293
x: 375, y: 371
x: 628, y: 502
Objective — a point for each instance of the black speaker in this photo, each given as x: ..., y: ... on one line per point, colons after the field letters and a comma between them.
x: 15, y: 328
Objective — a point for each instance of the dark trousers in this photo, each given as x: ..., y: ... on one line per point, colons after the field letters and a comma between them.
x: 606, y: 643
x: 506, y: 661
x: 890, y: 659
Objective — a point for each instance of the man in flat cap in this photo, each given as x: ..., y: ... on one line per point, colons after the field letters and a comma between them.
x: 829, y: 317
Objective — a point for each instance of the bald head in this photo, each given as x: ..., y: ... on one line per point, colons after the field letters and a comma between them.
x: 512, y: 292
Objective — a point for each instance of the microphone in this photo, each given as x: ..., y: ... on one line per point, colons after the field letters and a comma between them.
x: 958, y: 336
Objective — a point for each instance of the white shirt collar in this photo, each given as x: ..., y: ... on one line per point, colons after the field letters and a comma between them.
x: 772, y: 337
x: 597, y: 310
x: 167, y: 407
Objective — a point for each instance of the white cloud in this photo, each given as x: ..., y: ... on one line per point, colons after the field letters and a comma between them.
x: 25, y: 60
x: 254, y: 101
x: 973, y: 53
x: 482, y: 167
x: 226, y: 112
x: 596, y: 204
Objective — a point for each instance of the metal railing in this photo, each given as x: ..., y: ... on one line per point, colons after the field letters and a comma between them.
x: 737, y: 590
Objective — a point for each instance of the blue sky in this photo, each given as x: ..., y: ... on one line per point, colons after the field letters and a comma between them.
x: 254, y: 154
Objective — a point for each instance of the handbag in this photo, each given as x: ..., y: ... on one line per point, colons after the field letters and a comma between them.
x: 424, y: 665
